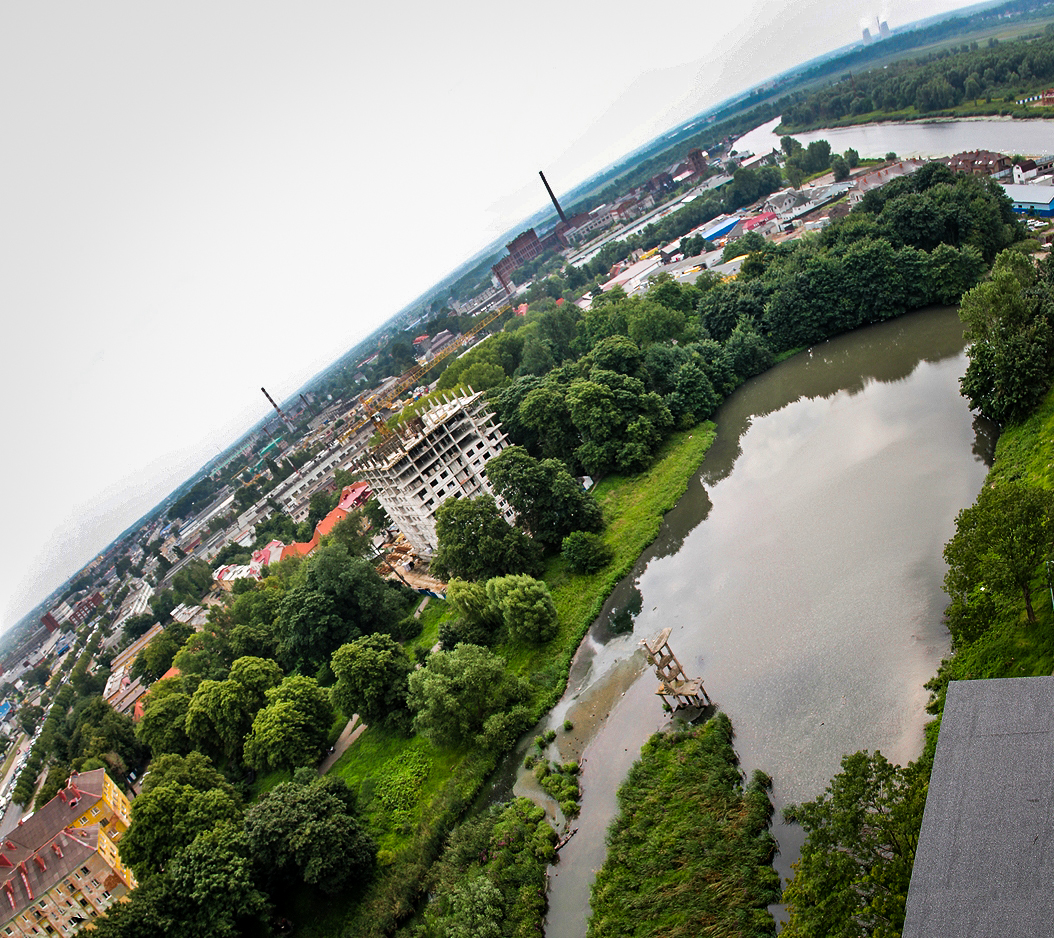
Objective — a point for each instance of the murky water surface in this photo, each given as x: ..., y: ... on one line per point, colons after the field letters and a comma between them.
x: 801, y: 574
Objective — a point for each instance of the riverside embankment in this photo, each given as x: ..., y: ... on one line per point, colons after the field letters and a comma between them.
x: 801, y: 574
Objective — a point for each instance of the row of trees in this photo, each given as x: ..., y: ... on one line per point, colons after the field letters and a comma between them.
x: 940, y: 81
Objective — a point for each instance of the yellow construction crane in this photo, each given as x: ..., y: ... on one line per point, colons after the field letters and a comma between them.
x: 379, y: 402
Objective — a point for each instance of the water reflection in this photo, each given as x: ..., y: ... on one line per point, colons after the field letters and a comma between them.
x: 887, y: 352
x: 985, y: 436
x: 804, y: 587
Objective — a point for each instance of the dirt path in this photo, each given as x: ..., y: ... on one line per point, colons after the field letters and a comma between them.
x: 352, y: 731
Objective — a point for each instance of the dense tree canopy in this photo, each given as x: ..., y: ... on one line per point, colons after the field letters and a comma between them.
x: 852, y: 877
x: 549, y: 502
x: 337, y: 599
x: 185, y: 798
x: 477, y: 543
x: 1009, y: 326
x: 293, y: 729
x: 372, y: 677
x: 526, y: 607
x: 456, y: 691
x: 310, y: 831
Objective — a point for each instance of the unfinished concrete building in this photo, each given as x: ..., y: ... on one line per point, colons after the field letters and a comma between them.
x: 436, y: 455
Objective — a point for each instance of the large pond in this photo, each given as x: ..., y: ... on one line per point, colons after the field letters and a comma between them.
x: 801, y: 574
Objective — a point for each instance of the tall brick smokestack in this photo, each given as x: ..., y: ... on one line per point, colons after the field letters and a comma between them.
x: 556, y: 205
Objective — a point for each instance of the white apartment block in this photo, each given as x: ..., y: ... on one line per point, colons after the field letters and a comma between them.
x: 437, y: 455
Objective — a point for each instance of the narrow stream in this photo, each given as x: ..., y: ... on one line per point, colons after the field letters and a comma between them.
x: 801, y: 574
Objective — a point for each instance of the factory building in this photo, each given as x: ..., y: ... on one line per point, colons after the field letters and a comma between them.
x: 437, y: 455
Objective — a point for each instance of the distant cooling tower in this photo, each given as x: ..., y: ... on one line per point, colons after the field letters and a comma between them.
x: 883, y: 29
x: 867, y: 35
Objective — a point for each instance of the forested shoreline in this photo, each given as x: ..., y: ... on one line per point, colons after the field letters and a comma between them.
x: 970, y: 80
x: 855, y: 867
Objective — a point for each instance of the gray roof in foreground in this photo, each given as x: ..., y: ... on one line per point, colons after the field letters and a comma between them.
x: 985, y: 860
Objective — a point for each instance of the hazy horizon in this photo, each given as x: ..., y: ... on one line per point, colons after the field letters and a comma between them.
x: 205, y: 199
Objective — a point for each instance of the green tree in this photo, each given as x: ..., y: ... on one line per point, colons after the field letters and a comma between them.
x: 840, y: 168
x: 372, y: 677
x: 157, y: 657
x: 951, y: 272
x: 477, y: 543
x: 29, y: 717
x: 312, y: 832
x: 376, y: 515
x: 456, y: 691
x: 549, y: 502
x: 339, y: 598
x: 1011, y: 351
x: 293, y: 729
x: 143, y: 914
x: 478, y: 621
x: 1000, y: 541
x: 526, y: 607
x: 321, y: 504
x: 861, y: 834
x: 257, y: 676
x: 168, y: 816
x: 164, y: 724
x: 620, y: 423
x: 544, y: 413
x: 353, y: 532
x: 211, y: 889
x: 795, y: 176
x: 218, y: 716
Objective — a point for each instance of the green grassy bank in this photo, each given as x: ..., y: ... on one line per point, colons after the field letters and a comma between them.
x: 1010, y: 646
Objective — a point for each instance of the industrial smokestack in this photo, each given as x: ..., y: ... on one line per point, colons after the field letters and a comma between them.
x: 285, y: 419
x: 556, y: 205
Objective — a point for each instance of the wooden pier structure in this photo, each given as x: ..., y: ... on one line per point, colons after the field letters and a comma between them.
x: 673, y: 682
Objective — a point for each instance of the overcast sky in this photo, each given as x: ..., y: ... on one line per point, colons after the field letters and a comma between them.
x: 202, y: 198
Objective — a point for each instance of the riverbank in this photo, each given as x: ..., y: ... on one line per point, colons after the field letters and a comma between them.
x: 425, y: 790
x: 994, y: 637
x: 985, y: 112
x: 1009, y: 647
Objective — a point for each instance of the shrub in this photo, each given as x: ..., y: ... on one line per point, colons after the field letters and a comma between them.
x: 586, y: 552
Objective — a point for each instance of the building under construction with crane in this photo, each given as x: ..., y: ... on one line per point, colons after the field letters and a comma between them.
x: 436, y: 455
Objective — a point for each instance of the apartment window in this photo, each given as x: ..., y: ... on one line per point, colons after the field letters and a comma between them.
x: 95, y: 811
x: 95, y: 883
x: 85, y: 870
